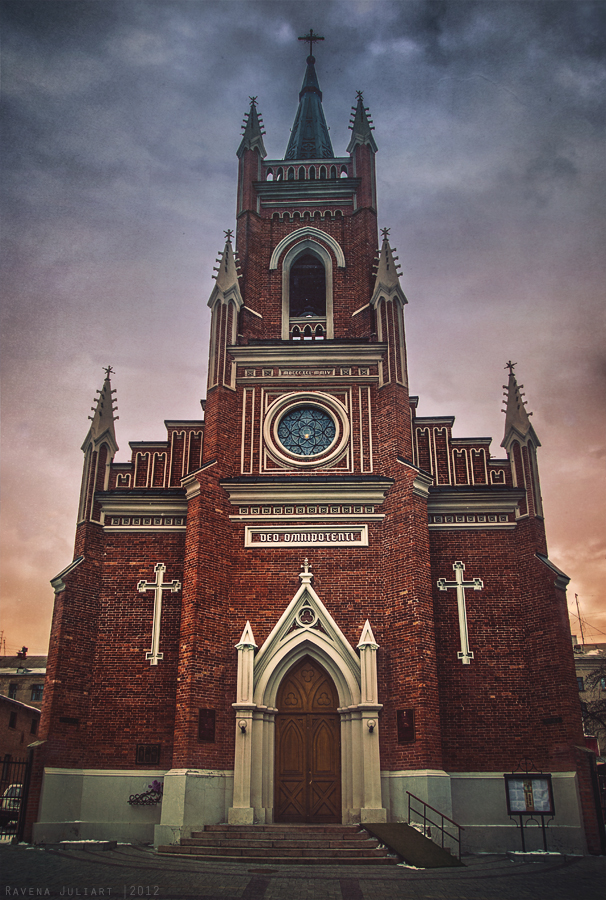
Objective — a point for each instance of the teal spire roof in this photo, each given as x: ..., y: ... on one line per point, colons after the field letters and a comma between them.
x: 309, y: 137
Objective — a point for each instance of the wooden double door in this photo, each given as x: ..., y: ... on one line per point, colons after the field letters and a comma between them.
x: 308, y: 747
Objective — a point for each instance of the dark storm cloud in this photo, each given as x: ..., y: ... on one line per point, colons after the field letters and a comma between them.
x: 120, y: 126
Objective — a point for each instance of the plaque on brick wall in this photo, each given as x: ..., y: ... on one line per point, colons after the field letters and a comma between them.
x: 206, y: 725
x: 271, y: 537
x: 406, y: 725
x: 148, y: 754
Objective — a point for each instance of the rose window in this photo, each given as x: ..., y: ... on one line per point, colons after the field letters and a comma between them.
x: 306, y: 431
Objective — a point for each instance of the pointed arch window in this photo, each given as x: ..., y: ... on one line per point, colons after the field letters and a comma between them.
x: 307, y: 297
x: 307, y: 293
x: 307, y: 281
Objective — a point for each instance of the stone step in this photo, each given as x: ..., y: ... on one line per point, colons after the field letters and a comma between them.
x: 296, y: 829
x: 295, y: 844
x: 176, y: 851
x: 288, y: 842
x: 225, y: 835
x: 292, y: 852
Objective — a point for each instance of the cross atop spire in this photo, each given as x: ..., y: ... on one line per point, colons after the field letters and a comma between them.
x: 228, y: 235
x: 510, y: 365
x: 108, y: 371
x: 311, y: 39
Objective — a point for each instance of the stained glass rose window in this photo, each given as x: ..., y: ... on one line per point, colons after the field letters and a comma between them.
x: 306, y: 431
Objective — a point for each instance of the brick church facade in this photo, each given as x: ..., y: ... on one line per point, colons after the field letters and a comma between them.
x: 315, y: 599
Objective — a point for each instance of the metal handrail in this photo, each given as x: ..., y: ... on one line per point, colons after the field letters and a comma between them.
x: 440, y: 827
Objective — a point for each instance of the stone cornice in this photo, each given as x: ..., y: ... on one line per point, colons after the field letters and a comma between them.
x: 58, y: 582
x: 264, y: 491
x: 171, y: 502
x: 316, y: 353
x: 561, y: 580
x: 469, y: 507
x: 315, y: 193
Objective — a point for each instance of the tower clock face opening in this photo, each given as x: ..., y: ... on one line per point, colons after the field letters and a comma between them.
x: 306, y: 431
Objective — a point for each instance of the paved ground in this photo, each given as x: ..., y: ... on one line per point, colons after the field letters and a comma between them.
x: 131, y: 871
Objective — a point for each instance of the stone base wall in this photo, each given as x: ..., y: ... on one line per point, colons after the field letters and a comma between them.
x: 92, y: 804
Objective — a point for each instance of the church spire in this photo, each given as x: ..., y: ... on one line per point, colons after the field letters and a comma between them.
x: 309, y: 138
x: 99, y: 448
x: 517, y: 421
x: 387, y: 280
x: 102, y: 421
x: 361, y: 126
x: 252, y: 137
x: 227, y: 274
x: 520, y: 442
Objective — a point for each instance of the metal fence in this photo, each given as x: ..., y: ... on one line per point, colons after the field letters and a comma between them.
x: 14, y: 775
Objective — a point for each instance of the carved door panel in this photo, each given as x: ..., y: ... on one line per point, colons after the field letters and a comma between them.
x: 308, y: 747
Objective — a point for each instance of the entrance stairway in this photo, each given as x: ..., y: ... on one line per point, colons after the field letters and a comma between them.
x: 274, y: 844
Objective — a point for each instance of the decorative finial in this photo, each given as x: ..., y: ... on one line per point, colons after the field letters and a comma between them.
x: 359, y: 96
x: 305, y: 566
x: 311, y: 39
x: 228, y: 235
x: 253, y: 101
x: 108, y: 371
x: 385, y: 233
x: 510, y: 366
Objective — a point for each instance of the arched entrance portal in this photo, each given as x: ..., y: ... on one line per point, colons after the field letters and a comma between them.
x: 308, y: 746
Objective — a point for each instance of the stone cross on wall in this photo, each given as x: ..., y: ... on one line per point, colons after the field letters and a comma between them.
x: 465, y: 654
x: 157, y: 587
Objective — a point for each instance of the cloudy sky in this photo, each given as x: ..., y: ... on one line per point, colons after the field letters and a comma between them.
x: 121, y: 122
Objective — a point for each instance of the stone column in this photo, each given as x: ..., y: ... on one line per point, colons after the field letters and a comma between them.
x: 242, y: 813
x: 372, y: 809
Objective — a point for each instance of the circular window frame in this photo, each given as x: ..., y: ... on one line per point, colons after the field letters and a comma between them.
x: 286, y: 404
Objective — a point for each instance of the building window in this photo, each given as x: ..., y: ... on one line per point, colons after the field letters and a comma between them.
x: 580, y: 683
x: 37, y: 692
x: 307, y: 287
x: 206, y: 725
x: 34, y: 728
x: 148, y: 754
x: 307, y: 298
x: 307, y: 274
x: 6, y: 767
x: 12, y: 721
x: 12, y: 691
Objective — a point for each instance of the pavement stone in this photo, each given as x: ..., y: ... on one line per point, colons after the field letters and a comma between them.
x: 131, y: 871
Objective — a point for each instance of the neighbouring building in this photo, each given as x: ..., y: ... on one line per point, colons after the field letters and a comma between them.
x: 589, y: 659
x: 18, y: 728
x: 317, y: 598
x: 22, y: 678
